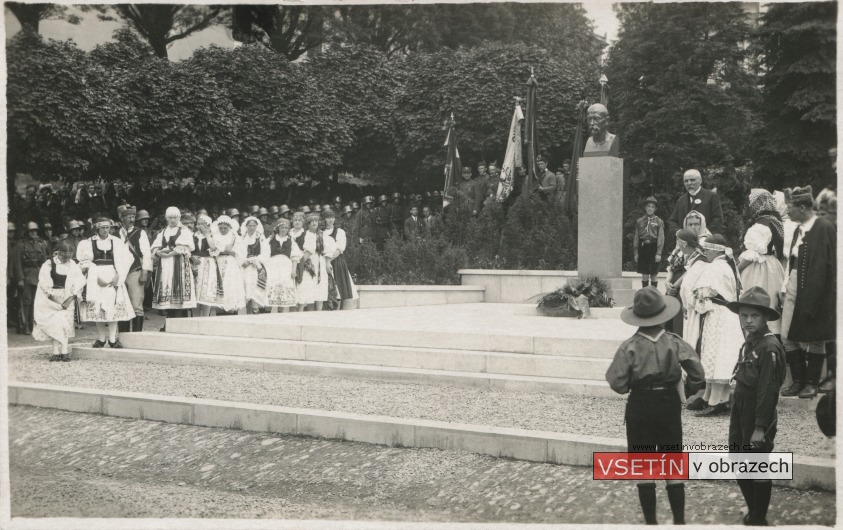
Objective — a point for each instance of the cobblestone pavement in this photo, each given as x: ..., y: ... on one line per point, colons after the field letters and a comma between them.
x: 67, y: 464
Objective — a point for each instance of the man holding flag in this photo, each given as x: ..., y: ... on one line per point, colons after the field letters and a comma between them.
x: 512, y: 159
x: 453, y: 165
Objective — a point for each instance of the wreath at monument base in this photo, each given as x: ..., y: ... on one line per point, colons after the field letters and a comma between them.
x: 575, y: 298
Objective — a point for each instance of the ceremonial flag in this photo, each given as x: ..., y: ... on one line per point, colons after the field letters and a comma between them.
x: 513, y: 158
x: 531, y: 138
x: 571, y: 183
x: 453, y: 165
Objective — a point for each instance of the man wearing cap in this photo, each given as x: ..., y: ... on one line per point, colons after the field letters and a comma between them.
x: 284, y: 212
x: 274, y: 215
x: 29, y: 255
x: 467, y: 187
x: 758, y: 375
x: 337, y: 206
x: 700, y: 199
x: 396, y: 214
x: 137, y: 242
x: 364, y: 223
x: 381, y: 222
x: 649, y: 366
x: 49, y: 238
x: 263, y: 217
x: 547, y: 187
x: 648, y: 242
x: 810, y: 294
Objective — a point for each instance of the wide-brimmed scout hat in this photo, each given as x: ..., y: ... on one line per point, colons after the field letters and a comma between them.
x: 650, y: 200
x: 650, y: 308
x: 756, y: 298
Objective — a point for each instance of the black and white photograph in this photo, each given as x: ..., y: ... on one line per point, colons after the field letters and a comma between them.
x: 415, y: 264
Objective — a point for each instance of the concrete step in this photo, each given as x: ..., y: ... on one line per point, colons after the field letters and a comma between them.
x: 492, y: 381
x: 573, y: 367
x: 504, y: 331
x: 520, y: 444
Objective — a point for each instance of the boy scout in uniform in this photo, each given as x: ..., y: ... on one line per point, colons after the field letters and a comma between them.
x: 647, y: 365
x: 758, y: 376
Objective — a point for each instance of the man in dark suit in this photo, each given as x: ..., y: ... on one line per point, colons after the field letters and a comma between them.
x: 700, y: 199
x: 412, y: 225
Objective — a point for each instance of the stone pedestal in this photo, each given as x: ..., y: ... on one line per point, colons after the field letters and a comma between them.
x: 600, y: 213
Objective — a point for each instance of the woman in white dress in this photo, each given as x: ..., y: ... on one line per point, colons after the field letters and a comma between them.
x: 337, y: 240
x: 284, y: 257
x: 312, y: 275
x: 298, y: 226
x: 694, y: 262
x: 721, y: 337
x: 223, y: 287
x: 173, y: 289
x: 760, y: 264
x: 107, y: 261
x: 254, y: 252
x: 204, y: 266
x: 60, y: 281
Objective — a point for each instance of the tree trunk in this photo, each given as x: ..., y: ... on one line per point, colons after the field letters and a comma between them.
x: 159, y: 47
x: 29, y: 15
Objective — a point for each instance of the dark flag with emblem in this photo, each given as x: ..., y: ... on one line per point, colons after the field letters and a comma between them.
x: 531, y: 137
x: 571, y: 184
x: 453, y: 165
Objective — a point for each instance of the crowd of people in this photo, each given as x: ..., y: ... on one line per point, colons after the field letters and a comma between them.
x: 746, y: 328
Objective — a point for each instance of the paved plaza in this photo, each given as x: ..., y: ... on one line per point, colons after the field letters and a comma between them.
x: 111, y: 467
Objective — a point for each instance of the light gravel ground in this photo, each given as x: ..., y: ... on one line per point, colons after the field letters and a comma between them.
x: 114, y: 467
x: 797, y: 431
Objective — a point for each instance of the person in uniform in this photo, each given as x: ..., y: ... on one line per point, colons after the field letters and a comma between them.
x: 263, y: 217
x: 364, y: 225
x: 60, y: 281
x: 649, y: 366
x: 29, y: 255
x: 106, y: 261
x: 137, y: 242
x: 49, y: 238
x: 648, y: 243
x: 381, y: 222
x: 396, y: 215
x: 274, y: 214
x: 547, y: 187
x: 13, y: 311
x: 758, y: 375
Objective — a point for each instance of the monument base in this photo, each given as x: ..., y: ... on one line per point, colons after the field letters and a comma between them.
x: 600, y: 217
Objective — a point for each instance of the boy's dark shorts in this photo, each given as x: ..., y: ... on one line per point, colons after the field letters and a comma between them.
x: 742, y: 424
x: 654, y: 418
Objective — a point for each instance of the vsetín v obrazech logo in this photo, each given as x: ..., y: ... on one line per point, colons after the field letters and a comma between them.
x: 693, y: 466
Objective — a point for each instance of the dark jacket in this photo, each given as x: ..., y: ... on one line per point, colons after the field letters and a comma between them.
x: 814, y: 315
x: 412, y: 229
x: 709, y: 206
x: 761, y: 370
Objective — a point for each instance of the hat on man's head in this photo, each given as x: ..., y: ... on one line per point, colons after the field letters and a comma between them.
x: 284, y: 209
x: 73, y: 224
x: 756, y: 298
x: 142, y: 214
x: 11, y: 227
x: 255, y: 209
x: 233, y: 211
x: 31, y: 226
x: 305, y: 209
x: 396, y: 195
x: 650, y: 308
x: 541, y: 159
x: 263, y: 211
x: 273, y: 209
x: 801, y: 196
x: 188, y: 217
x: 650, y: 200
x: 124, y: 209
x: 346, y: 209
x: 47, y: 226
x: 383, y: 198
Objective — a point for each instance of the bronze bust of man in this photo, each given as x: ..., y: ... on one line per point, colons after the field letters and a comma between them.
x: 602, y: 142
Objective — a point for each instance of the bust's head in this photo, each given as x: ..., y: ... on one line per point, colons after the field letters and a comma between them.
x: 598, y: 118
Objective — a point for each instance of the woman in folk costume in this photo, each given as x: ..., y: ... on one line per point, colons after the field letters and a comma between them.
x: 676, y: 266
x: 107, y: 261
x: 284, y: 257
x: 760, y: 264
x: 254, y: 252
x: 173, y: 288
x: 338, y: 241
x: 60, y: 281
x: 312, y: 274
x: 222, y: 277
x: 297, y: 222
x: 695, y: 262
x: 721, y: 336
x: 205, y: 267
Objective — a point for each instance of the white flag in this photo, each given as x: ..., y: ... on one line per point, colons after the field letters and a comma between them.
x: 512, y: 159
